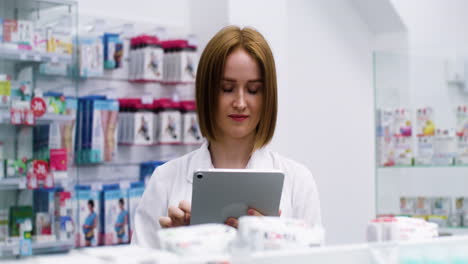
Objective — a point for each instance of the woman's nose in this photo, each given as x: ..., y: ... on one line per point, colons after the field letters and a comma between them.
x: 239, y: 102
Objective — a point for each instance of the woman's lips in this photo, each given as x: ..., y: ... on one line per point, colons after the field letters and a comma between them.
x: 239, y: 118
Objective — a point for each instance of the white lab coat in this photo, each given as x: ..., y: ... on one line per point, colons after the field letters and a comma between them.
x: 172, y: 183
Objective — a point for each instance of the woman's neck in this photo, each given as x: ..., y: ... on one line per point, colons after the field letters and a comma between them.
x: 232, y: 153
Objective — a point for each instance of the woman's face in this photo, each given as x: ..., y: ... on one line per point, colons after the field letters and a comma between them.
x: 241, y: 96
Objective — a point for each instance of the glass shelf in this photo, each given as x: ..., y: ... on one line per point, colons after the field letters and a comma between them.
x: 451, y: 231
x: 45, y: 119
x: 32, y: 56
x: 419, y: 94
x: 423, y: 166
x: 19, y: 183
x: 12, y: 249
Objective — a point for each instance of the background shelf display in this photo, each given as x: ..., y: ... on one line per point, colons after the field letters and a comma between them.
x: 420, y: 126
x: 54, y: 76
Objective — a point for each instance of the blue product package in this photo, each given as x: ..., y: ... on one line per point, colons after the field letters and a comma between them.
x: 1, y: 30
x: 112, y: 52
x: 44, y: 202
x: 134, y: 196
x: 147, y: 169
x: 114, y: 215
x: 79, y: 132
x: 87, y: 217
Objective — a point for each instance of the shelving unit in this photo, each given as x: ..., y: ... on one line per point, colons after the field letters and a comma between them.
x: 410, y: 82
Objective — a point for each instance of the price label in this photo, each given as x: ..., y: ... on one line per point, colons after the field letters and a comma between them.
x: 147, y: 99
x: 96, y: 186
x: 54, y: 59
x: 124, y: 185
x: 22, y: 183
x: 23, y: 56
x: 37, y: 57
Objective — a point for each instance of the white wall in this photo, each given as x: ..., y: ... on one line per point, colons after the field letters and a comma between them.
x: 323, y: 53
x: 170, y: 13
x: 330, y: 111
x: 435, y: 26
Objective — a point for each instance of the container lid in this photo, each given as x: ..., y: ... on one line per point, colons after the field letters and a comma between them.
x: 166, y: 103
x: 109, y: 187
x: 188, y: 105
x: 138, y: 184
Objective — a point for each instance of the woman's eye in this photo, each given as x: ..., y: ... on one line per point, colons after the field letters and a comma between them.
x: 227, y: 88
x: 253, y: 89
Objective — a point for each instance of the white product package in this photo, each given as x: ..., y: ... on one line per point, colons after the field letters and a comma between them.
x: 275, y: 233
x: 207, y: 239
x: 400, y: 228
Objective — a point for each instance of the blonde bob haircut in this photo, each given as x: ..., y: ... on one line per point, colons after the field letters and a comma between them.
x: 210, y: 73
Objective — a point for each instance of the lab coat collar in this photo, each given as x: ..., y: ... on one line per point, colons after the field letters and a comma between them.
x: 202, y: 160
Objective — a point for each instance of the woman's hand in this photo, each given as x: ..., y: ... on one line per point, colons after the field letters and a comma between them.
x: 234, y: 222
x: 177, y: 216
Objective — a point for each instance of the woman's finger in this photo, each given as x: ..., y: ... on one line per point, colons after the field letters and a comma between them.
x: 253, y: 212
x: 177, y: 216
x: 165, y: 222
x: 231, y: 221
x: 185, y: 206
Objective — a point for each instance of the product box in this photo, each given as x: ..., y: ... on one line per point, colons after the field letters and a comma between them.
x: 425, y: 122
x: 3, y: 225
x: 169, y: 122
x: 10, y: 31
x: 63, y: 42
x: 5, y: 93
x: 16, y: 168
x: 87, y: 233
x: 113, y: 50
x: 189, y: 63
x: 68, y: 128
x: 386, y: 151
x: 2, y: 161
x: 109, y: 120
x: 190, y: 130
x: 152, y: 60
x: 143, y: 124
x: 40, y: 40
x: 147, y: 169
x: 445, y: 147
x: 91, y: 56
x: 462, y: 150
x: 20, y: 221
x: 402, y: 122
x: 134, y: 196
x: 425, y: 150
x: 98, y: 126
x: 461, y: 210
x: 408, y: 205
x: 56, y: 103
x: 423, y: 206
x: 44, y: 210
x: 441, y: 206
x: 403, y: 151
x: 25, y: 33
x: 1, y: 30
x: 58, y: 160
x: 462, y: 121
x: 114, y: 215
x: 64, y: 227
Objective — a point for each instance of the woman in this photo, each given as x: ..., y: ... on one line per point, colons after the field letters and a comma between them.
x: 236, y: 98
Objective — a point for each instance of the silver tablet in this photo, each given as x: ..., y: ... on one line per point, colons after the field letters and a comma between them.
x: 218, y: 194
